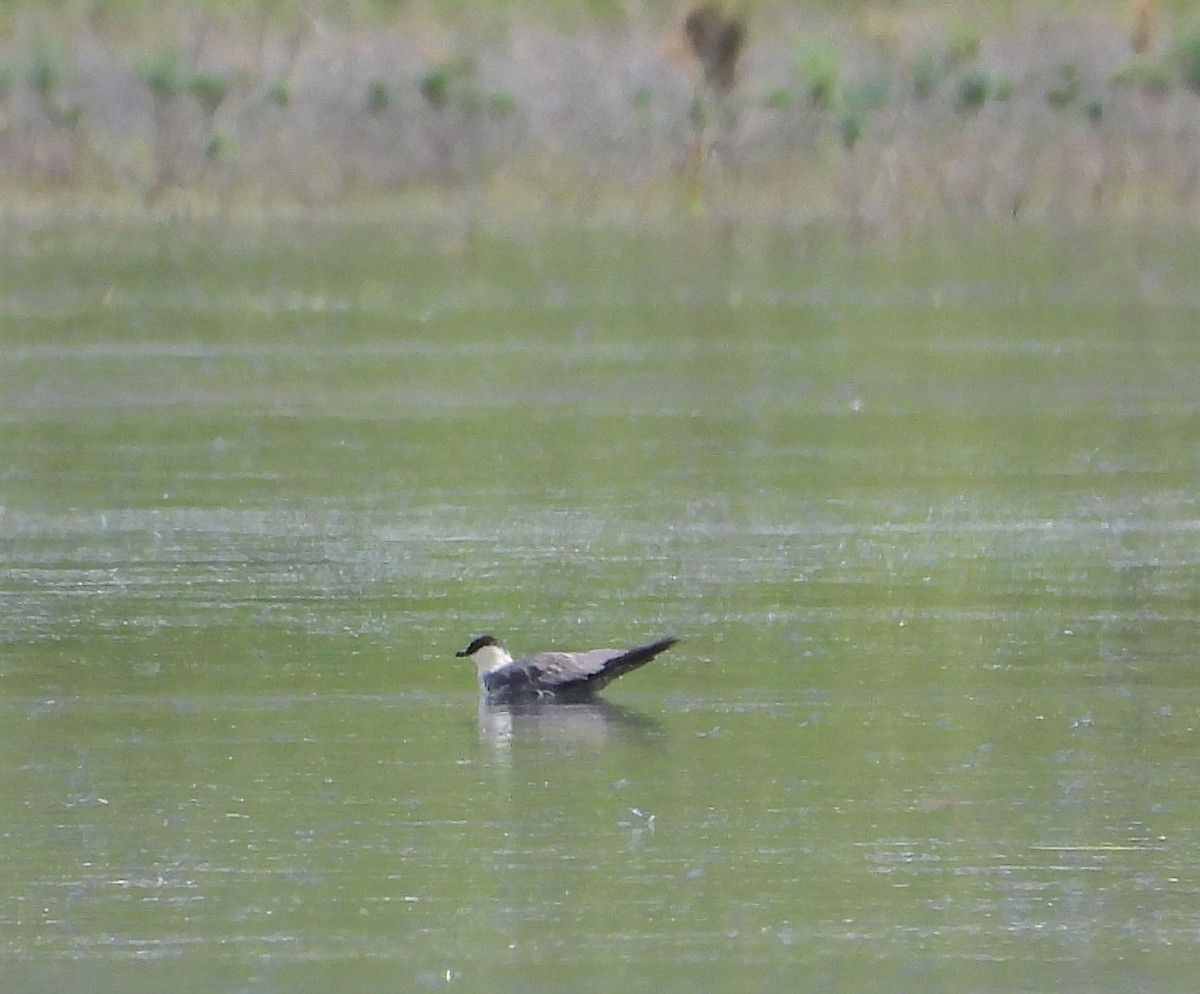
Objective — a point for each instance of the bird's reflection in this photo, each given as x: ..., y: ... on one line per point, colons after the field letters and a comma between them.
x: 591, y: 723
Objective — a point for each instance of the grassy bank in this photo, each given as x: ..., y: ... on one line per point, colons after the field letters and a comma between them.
x: 882, y: 117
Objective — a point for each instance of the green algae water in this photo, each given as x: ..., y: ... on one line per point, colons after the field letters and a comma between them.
x: 924, y: 516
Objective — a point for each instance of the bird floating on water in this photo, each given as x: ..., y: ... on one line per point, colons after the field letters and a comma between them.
x: 563, y: 676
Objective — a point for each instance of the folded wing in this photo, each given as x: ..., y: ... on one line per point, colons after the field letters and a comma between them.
x: 570, y: 674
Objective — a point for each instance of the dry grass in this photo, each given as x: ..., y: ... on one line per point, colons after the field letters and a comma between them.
x: 885, y: 118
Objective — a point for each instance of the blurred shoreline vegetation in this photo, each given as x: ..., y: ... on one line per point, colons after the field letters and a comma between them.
x: 885, y: 116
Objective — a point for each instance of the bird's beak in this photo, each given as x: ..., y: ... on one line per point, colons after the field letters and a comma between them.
x: 461, y: 654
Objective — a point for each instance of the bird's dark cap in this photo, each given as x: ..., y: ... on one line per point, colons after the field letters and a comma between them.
x: 478, y: 644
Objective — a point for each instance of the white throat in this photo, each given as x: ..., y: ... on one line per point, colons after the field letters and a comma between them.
x: 490, y: 658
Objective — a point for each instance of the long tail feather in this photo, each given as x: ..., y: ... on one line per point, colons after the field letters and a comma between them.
x: 631, y: 660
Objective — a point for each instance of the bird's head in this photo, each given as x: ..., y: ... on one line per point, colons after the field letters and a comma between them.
x: 487, y: 652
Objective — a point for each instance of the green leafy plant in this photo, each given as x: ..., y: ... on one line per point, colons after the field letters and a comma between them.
x: 435, y: 88
x: 378, y: 96
x: 857, y: 103
x: 439, y: 83
x: 926, y: 74
x: 819, y: 70
x: 1064, y: 92
x: 210, y: 90
x: 850, y: 127
x: 1187, y: 58
x: 973, y: 91
x: 280, y: 94
x: 1151, y: 78
x: 501, y: 104
x: 781, y: 98
x: 215, y: 145
x: 962, y: 45
x: 163, y: 73
x: 45, y: 71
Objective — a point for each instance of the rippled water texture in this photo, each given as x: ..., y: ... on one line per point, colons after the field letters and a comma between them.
x: 925, y: 518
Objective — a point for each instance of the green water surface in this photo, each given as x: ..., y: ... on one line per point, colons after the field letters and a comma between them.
x: 925, y: 517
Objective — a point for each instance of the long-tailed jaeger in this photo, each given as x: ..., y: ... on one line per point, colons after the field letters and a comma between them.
x: 563, y: 676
